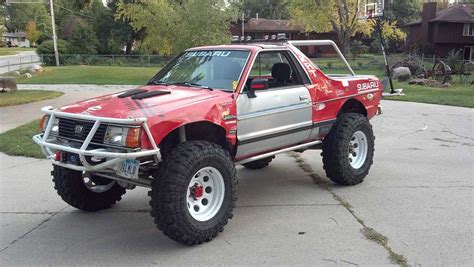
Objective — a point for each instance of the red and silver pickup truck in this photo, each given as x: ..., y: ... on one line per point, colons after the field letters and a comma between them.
x: 208, y: 110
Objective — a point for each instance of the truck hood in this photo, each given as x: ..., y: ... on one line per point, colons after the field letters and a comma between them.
x: 117, y: 106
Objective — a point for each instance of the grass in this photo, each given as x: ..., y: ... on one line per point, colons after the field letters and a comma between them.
x: 4, y: 51
x: 382, y: 240
x: 18, y: 142
x: 461, y: 95
x: 458, y: 94
x: 26, y: 96
x: 91, y: 75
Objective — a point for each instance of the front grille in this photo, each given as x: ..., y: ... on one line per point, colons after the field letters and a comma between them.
x: 79, y: 129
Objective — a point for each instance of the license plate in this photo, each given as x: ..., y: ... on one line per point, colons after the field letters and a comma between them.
x: 128, y: 169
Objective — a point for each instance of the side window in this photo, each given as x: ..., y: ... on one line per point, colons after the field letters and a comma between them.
x: 277, y: 67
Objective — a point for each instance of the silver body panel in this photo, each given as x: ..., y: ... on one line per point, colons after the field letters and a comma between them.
x: 273, y: 119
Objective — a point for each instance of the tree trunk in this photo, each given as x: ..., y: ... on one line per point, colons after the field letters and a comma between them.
x: 345, y: 45
x: 128, y: 48
x: 344, y: 41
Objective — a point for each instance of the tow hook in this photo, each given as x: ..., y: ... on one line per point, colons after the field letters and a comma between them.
x: 379, y: 110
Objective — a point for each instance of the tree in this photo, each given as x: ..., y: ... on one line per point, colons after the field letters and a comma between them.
x: 16, y: 16
x: 46, y: 50
x: 270, y: 9
x: 65, y: 8
x: 402, y: 11
x: 123, y: 28
x: 32, y: 34
x: 172, y: 26
x: 3, y: 12
x: 112, y: 34
x: 330, y: 15
x: 83, y: 40
x: 338, y: 16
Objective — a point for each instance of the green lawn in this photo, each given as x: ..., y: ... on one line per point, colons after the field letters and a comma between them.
x: 456, y: 95
x: 18, y: 142
x: 461, y: 95
x: 26, y: 96
x: 92, y: 75
x: 4, y: 51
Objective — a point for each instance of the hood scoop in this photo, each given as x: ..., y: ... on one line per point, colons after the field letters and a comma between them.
x: 150, y: 94
x: 132, y: 92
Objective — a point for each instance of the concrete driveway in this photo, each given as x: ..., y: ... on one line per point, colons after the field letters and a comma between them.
x: 417, y: 202
x: 14, y: 116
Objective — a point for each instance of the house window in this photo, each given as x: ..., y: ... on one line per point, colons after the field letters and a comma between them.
x: 468, y: 29
x: 468, y: 53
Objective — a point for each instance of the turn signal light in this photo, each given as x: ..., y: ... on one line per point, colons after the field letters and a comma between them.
x: 43, y: 123
x: 133, y: 138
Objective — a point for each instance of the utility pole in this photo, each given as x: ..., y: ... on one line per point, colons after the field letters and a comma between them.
x: 55, y: 45
x: 243, y: 25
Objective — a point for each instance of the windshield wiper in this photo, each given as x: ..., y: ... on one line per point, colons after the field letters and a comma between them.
x: 158, y: 83
x: 192, y: 84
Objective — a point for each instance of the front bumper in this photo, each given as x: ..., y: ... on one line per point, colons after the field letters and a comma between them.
x: 50, y: 145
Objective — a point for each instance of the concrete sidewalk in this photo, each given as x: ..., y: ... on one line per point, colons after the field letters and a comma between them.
x: 19, y: 61
x: 419, y: 195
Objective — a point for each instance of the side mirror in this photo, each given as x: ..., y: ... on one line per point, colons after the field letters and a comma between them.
x: 257, y: 84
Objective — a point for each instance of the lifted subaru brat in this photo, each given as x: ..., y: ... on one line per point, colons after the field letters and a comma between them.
x: 209, y: 109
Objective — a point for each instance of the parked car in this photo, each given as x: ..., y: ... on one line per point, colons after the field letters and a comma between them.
x: 208, y: 110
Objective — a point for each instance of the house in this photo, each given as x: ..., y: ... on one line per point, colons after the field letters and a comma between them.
x: 261, y: 28
x: 444, y: 30
x: 16, y: 39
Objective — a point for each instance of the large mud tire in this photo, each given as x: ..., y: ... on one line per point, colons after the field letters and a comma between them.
x: 338, y: 160
x: 170, y: 192
x: 70, y: 185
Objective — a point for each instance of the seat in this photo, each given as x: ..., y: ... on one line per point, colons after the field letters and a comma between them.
x: 281, y: 73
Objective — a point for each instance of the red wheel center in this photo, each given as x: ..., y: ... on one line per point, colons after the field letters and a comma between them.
x: 196, y: 191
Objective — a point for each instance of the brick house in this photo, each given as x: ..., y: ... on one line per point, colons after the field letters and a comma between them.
x: 444, y: 30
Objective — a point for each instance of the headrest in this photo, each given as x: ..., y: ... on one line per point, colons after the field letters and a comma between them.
x: 281, y: 71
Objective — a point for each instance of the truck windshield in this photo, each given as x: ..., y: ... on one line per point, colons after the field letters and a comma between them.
x: 210, y: 69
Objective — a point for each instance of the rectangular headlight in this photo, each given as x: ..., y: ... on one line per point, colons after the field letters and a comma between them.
x: 122, y: 136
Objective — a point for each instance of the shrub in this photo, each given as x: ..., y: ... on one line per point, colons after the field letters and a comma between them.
x: 374, y: 46
x: 46, y: 50
x: 329, y: 65
x: 454, y: 60
x: 358, y: 48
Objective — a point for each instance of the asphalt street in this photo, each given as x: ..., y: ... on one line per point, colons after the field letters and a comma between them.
x: 418, y: 199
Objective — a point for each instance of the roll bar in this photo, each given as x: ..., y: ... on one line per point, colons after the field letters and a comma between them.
x: 321, y: 43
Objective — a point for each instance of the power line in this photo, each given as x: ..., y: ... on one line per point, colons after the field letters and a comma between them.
x: 72, y: 11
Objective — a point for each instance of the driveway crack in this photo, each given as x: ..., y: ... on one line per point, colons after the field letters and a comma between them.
x: 368, y: 232
x: 32, y: 229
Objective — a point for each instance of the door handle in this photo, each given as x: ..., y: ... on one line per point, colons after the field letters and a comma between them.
x: 304, y: 98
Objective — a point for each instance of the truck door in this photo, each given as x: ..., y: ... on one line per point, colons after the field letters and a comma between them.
x: 277, y: 116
